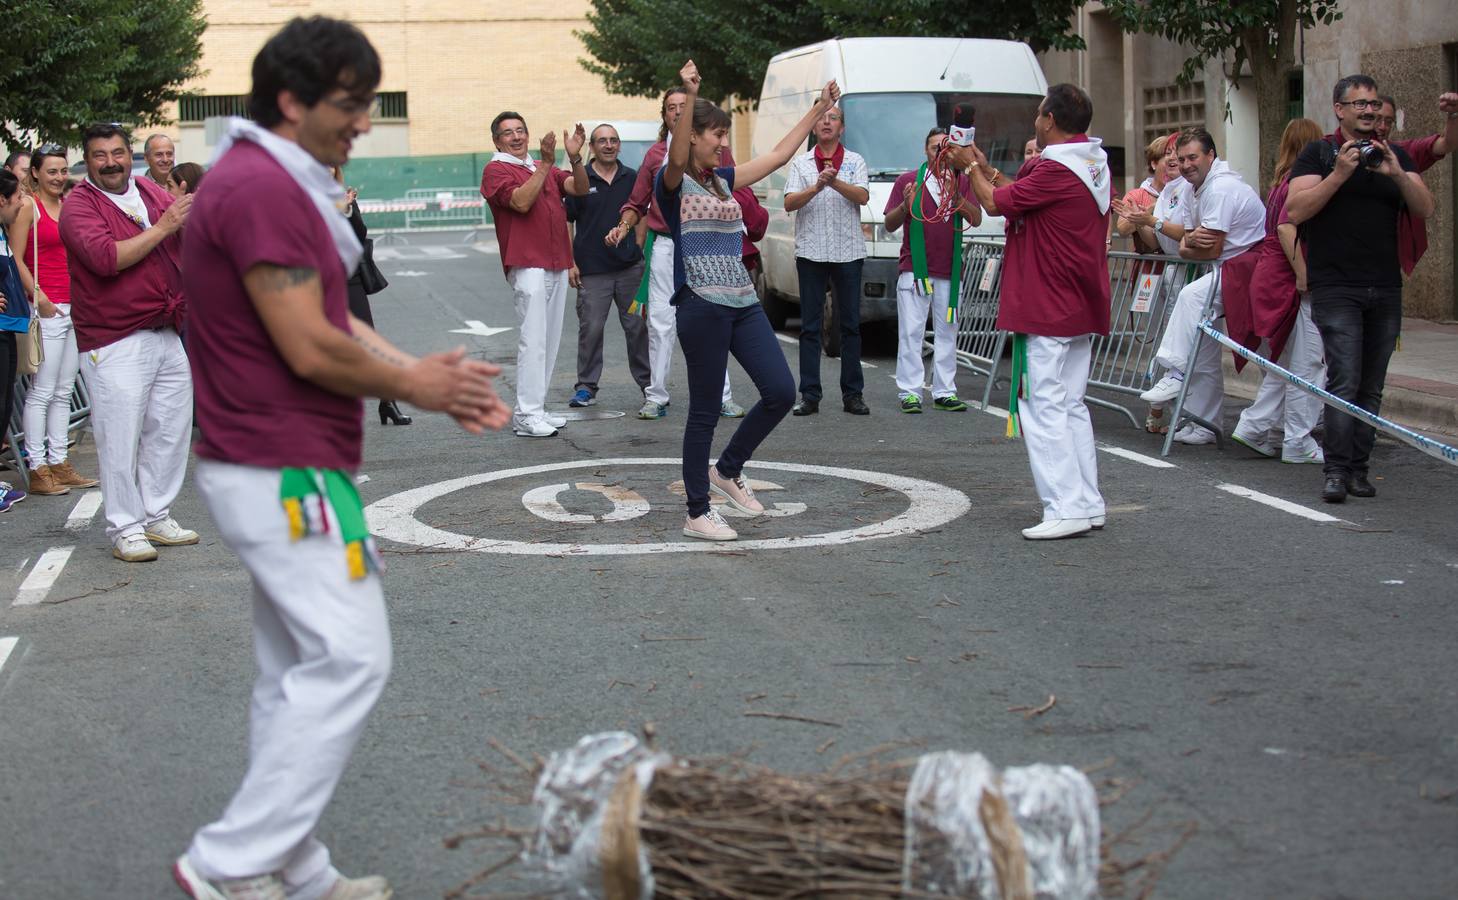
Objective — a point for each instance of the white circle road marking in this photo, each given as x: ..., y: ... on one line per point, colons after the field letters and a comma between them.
x: 393, y: 518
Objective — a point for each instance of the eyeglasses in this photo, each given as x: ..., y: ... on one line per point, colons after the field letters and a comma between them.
x: 357, y: 106
x: 608, y: 140
x: 1360, y: 105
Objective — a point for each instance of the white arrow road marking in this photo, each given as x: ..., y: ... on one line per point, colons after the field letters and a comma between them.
x: 479, y: 329
x: 38, y: 583
x: 543, y: 502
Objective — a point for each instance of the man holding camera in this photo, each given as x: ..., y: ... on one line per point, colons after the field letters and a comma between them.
x: 1348, y: 192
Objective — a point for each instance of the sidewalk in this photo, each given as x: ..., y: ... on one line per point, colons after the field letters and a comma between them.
x: 1422, y: 379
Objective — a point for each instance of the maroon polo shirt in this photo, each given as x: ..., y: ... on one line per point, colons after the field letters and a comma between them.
x: 940, y: 238
x: 1055, y: 270
x: 536, y: 239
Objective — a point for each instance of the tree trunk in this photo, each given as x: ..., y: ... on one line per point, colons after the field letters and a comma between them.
x: 1271, y: 65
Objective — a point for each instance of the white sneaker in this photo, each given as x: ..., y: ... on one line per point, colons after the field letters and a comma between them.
x: 1054, y: 529
x: 1194, y: 435
x: 261, y: 887
x: 133, y: 548
x: 1097, y: 522
x: 735, y: 490
x: 168, y: 533
x: 531, y: 426
x: 554, y: 420
x: 1308, y: 453
x: 1255, y: 442
x: 653, y: 410
x: 1167, y: 388
x: 372, y: 887
x: 708, y: 527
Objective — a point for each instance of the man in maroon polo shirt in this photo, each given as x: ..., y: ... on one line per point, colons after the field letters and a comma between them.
x: 1412, y: 232
x: 122, y: 236
x: 281, y: 366
x: 1055, y: 297
x: 525, y: 196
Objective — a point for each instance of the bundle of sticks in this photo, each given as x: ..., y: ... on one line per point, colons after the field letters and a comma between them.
x: 726, y: 828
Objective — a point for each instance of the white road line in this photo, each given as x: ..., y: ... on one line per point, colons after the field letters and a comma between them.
x: 85, y: 510
x: 38, y: 583
x: 1287, y: 506
x: 1152, y: 462
x: 996, y: 411
x: 7, y: 644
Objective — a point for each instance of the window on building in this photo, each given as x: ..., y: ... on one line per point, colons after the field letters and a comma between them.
x: 196, y: 109
x: 1295, y: 95
x: 1172, y: 108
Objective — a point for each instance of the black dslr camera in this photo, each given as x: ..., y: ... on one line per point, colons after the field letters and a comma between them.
x: 1370, y: 155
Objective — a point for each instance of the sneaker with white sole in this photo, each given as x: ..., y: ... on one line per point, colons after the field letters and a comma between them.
x: 731, y: 410
x: 708, y: 527
x: 531, y: 426
x: 1303, y: 455
x: 1167, y: 388
x: 736, y: 491
x: 1194, y: 435
x: 1057, y: 529
x: 1098, y: 522
x: 653, y: 410
x: 260, y: 887
x: 372, y: 887
x: 133, y: 548
x: 1256, y: 443
x: 554, y: 420
x: 583, y: 397
x: 169, y: 534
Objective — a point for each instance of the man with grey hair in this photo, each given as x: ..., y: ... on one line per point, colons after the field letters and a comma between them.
x: 605, y: 275
x: 161, y: 155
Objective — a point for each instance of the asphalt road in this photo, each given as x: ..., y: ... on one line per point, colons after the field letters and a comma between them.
x: 1285, y: 684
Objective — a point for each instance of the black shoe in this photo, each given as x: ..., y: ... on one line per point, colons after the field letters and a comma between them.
x: 856, y: 406
x: 805, y: 407
x: 390, y: 414
x: 1335, y: 490
x: 1359, y: 486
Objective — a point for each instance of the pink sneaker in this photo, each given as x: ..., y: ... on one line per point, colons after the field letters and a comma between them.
x: 709, y: 527
x: 735, y: 490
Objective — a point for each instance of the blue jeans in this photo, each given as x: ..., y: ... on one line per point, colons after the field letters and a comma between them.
x: 708, y: 333
x: 1359, y: 328
x: 844, y: 280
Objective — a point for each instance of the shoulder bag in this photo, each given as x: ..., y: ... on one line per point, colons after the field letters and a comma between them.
x: 30, y: 349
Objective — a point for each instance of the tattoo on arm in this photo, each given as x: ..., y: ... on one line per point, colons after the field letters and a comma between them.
x: 380, y: 352
x: 278, y: 278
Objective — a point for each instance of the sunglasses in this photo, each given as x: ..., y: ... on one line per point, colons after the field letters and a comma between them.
x: 50, y: 150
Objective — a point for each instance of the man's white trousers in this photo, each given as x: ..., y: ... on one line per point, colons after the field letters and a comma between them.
x: 141, y: 415
x: 1205, y: 380
x: 541, y: 302
x: 911, y: 312
x: 663, y: 323
x: 322, y: 644
x: 1281, y: 404
x: 1057, y: 429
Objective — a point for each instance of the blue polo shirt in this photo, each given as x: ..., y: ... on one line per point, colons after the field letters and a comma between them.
x: 595, y: 215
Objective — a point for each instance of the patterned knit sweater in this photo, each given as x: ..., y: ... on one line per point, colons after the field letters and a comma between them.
x: 707, y: 241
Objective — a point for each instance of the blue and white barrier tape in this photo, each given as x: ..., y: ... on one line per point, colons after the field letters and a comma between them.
x: 1427, y: 445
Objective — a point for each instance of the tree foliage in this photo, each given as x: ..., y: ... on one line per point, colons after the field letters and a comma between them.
x: 637, y: 46
x: 1261, y: 33
x: 69, y: 63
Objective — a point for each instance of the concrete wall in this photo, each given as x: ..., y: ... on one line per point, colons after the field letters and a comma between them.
x: 459, y: 64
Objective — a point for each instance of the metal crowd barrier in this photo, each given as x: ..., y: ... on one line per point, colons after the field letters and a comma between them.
x: 1142, y: 291
x: 425, y: 210
x: 80, y: 416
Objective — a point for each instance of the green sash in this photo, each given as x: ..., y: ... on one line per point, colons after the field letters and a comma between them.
x: 917, y: 239
x: 304, y: 492
x: 1019, y: 383
x: 639, y: 306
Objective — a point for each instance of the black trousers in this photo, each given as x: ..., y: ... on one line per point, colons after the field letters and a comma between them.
x: 1359, y: 328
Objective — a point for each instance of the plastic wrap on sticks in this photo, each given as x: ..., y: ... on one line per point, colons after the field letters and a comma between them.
x: 1027, y: 832
x: 578, y: 791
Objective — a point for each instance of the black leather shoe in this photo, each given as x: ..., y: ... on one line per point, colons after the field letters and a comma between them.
x: 1335, y: 490
x: 390, y: 414
x: 856, y: 406
x: 1359, y: 486
x: 805, y: 407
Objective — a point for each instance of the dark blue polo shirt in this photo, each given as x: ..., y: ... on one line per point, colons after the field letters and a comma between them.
x: 595, y: 215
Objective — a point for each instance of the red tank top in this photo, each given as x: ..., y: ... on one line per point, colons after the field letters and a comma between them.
x: 51, y: 274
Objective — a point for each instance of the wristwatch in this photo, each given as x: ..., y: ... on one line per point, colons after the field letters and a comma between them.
x: 1158, y: 225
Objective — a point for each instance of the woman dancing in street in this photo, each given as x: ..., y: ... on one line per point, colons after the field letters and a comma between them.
x: 718, y: 311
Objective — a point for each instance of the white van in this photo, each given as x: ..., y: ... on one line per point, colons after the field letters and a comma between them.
x: 893, y: 91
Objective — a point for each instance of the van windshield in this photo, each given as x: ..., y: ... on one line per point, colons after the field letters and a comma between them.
x: 889, y: 130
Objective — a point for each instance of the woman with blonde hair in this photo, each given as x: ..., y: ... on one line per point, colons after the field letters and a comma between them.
x: 1280, y: 420
x: 40, y: 258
